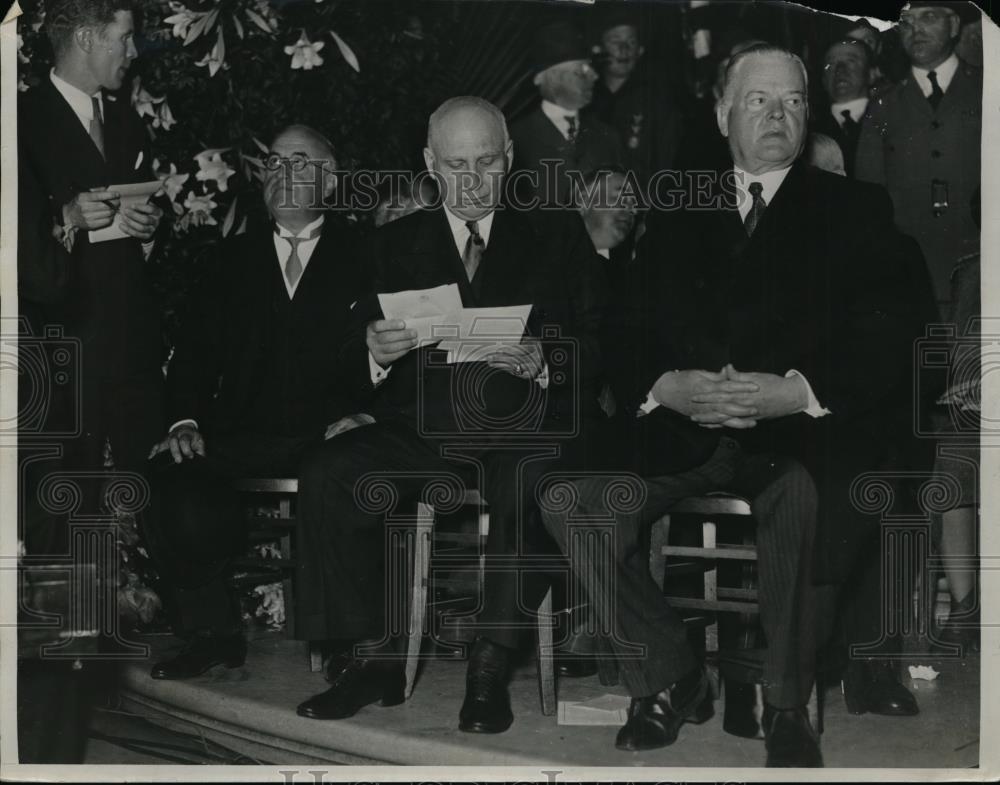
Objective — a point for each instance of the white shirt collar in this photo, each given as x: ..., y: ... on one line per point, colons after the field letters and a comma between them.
x: 604, y: 252
x: 283, y: 249
x: 771, y: 182
x: 558, y: 116
x: 856, y: 107
x: 306, y: 231
x: 461, y: 233
x: 81, y: 103
x: 944, y: 72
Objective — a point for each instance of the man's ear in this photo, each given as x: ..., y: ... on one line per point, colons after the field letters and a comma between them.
x: 642, y: 51
x: 329, y: 183
x: 508, y: 153
x: 429, y: 159
x: 84, y: 37
x: 956, y: 25
x: 722, y: 118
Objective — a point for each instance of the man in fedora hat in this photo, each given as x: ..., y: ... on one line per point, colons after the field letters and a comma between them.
x: 921, y: 138
x: 558, y: 137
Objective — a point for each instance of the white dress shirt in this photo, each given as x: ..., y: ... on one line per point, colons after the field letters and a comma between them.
x: 770, y: 182
x: 856, y: 107
x: 283, y: 249
x: 81, y: 103
x: 944, y: 72
x: 558, y: 116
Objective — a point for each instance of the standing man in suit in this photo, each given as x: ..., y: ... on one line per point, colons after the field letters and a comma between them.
x: 921, y: 139
x: 559, y: 136
x: 78, y: 135
x: 779, y: 346
x: 436, y: 420
x: 252, y: 385
x: 847, y: 73
x: 632, y: 97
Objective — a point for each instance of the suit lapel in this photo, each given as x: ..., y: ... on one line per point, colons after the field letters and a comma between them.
x: 510, y: 249
x: 73, y: 140
x: 916, y: 98
x: 435, y: 256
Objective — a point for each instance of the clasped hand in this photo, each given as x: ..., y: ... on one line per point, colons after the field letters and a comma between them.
x: 730, y: 398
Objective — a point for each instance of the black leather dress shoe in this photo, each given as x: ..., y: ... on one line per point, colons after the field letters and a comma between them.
x: 576, y: 667
x: 655, y: 721
x: 790, y: 738
x: 356, y: 683
x: 200, y: 655
x: 486, y: 708
x: 873, y: 686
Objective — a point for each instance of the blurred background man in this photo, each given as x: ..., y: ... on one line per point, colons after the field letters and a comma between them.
x: 847, y: 74
x: 921, y: 140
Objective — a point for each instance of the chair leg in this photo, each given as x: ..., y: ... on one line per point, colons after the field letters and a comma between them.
x: 711, y: 584
x: 659, y: 537
x: 546, y: 666
x: 418, y: 592
x: 315, y: 657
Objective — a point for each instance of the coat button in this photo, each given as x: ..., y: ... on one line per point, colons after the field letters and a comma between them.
x: 935, y: 124
x: 935, y: 153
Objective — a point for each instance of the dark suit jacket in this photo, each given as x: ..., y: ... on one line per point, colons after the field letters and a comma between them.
x: 249, y: 359
x: 109, y: 306
x: 646, y: 119
x: 906, y: 145
x: 823, y: 121
x: 826, y: 287
x: 542, y: 258
x: 536, y: 139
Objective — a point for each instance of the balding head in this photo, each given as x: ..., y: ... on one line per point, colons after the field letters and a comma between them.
x: 468, y: 150
x: 466, y: 114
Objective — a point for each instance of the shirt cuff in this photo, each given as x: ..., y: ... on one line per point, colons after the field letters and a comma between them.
x: 813, y: 408
x: 179, y: 423
x: 648, y: 405
x: 378, y: 373
x: 543, y: 378
x: 147, y: 248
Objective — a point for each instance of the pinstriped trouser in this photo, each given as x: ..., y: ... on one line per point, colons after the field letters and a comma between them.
x: 630, y: 606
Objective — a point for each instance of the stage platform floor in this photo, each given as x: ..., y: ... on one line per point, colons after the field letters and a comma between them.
x: 251, y: 711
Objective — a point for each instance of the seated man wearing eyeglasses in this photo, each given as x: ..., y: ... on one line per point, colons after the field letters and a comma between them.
x: 252, y: 385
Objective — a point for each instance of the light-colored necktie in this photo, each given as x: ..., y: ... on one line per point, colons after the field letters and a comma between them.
x: 474, y: 248
x: 96, y: 125
x: 293, y: 267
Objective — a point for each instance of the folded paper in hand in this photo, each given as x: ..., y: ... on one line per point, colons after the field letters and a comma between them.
x: 131, y: 194
x: 467, y: 334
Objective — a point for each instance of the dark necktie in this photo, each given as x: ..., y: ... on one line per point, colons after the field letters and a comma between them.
x: 474, y: 248
x: 936, y: 92
x: 571, y: 131
x: 850, y: 127
x: 756, y: 209
x: 96, y: 125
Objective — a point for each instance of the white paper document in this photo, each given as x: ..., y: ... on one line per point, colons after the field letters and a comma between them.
x: 131, y: 194
x: 467, y: 334
x: 605, y: 709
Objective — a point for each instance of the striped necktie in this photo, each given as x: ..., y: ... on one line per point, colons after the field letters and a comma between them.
x: 756, y: 209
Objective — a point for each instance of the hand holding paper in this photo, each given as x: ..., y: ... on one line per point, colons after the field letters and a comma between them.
x: 137, y: 219
x: 90, y: 210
